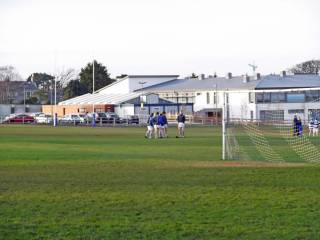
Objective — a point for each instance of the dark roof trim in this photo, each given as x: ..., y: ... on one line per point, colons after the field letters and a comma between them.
x: 151, y: 76
x: 272, y: 88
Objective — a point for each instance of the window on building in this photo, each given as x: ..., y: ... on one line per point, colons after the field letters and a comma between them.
x: 296, y: 111
x: 251, y: 97
x: 210, y: 114
x: 278, y: 97
x: 259, y: 97
x: 263, y: 97
x: 208, y: 98
x: 313, y: 95
x: 198, y: 94
x: 215, y: 98
x: 266, y: 97
x: 295, y: 97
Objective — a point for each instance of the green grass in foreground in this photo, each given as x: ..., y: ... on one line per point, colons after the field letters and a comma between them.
x: 104, y: 183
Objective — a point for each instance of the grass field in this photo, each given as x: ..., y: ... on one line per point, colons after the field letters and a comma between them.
x: 111, y: 183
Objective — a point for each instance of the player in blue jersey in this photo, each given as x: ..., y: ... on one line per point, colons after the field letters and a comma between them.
x: 161, y: 123
x: 299, y: 127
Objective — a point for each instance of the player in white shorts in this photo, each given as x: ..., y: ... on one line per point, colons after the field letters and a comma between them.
x: 181, y: 124
x: 315, y: 127
x: 311, y: 127
x: 149, y: 127
x: 156, y: 125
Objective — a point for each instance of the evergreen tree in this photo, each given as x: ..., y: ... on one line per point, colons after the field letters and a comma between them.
x: 101, y: 76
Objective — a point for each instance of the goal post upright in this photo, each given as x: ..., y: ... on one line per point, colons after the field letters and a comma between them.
x: 224, y: 127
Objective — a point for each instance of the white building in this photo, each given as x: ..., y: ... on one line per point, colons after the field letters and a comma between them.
x: 204, y: 96
x: 122, y: 98
x: 130, y: 83
x: 273, y: 96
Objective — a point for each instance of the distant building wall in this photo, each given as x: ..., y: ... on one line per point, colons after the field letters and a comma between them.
x: 130, y: 84
x: 7, y: 109
x: 68, y: 109
x: 117, y: 87
x: 124, y: 110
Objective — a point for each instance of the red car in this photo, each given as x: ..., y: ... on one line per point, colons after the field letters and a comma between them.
x: 21, y: 118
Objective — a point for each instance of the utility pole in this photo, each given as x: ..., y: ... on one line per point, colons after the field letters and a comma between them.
x: 55, y: 118
x: 93, y: 111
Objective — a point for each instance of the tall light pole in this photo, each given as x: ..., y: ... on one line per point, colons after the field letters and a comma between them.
x: 55, y: 118
x: 24, y: 97
x: 55, y: 102
x: 93, y: 112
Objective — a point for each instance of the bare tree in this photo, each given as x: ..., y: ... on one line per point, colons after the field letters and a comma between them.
x: 64, y: 77
x: 9, y: 73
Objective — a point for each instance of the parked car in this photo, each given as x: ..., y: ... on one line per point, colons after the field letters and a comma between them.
x: 20, y: 118
x: 9, y: 116
x: 108, y: 117
x: 113, y: 118
x: 83, y: 118
x: 44, y: 118
x: 36, y: 114
x: 101, y: 117
x: 133, y: 119
x: 70, y: 118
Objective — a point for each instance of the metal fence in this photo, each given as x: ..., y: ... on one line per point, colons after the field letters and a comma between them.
x: 139, y: 120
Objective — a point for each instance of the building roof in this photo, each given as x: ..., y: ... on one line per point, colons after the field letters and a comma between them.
x: 99, y: 98
x: 137, y: 76
x: 289, y: 81
x: 236, y: 83
x: 152, y: 76
x: 191, y: 84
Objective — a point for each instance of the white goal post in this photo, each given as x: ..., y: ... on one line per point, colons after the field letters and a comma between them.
x: 257, y: 116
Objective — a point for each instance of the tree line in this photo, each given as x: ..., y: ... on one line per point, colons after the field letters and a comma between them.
x: 71, y: 84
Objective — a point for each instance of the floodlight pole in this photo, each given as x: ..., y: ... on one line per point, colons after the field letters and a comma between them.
x: 55, y: 118
x: 55, y: 102
x: 93, y: 112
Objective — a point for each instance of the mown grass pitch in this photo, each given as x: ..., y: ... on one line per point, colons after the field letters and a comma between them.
x: 111, y: 183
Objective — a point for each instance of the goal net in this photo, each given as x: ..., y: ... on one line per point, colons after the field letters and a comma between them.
x: 272, y: 125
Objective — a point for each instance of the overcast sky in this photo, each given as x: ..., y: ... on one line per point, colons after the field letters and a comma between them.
x: 159, y: 37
